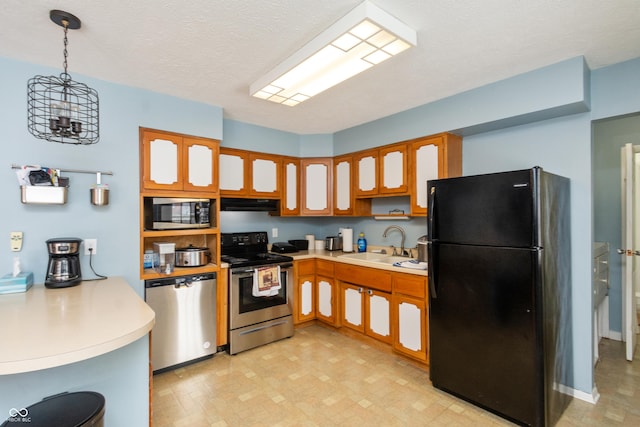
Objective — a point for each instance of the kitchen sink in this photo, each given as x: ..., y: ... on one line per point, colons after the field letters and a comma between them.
x: 376, y: 258
x: 364, y: 256
x: 393, y: 259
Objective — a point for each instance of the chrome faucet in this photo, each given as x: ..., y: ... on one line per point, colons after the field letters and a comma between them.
x: 402, y: 251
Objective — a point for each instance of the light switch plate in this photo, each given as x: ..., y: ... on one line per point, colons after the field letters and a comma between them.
x: 16, y: 241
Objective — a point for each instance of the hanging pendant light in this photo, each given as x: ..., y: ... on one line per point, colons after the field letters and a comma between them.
x: 60, y: 109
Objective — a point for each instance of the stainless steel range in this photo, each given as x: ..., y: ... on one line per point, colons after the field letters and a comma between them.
x: 260, y: 291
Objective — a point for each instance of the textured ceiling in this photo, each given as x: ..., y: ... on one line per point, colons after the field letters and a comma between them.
x: 212, y: 50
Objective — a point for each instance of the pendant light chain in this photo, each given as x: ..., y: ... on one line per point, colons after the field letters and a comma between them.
x: 65, y: 53
x: 66, y: 42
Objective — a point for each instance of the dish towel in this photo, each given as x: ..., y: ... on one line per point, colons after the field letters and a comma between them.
x: 266, y: 281
x: 412, y: 263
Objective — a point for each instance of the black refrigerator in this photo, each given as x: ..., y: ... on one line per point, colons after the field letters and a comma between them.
x: 500, y: 292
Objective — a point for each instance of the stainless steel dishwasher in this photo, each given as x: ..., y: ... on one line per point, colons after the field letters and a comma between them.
x: 185, y: 328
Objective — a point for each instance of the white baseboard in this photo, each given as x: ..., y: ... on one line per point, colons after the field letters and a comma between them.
x: 590, y: 398
x: 613, y: 335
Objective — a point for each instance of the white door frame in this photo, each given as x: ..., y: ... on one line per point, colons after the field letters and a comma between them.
x: 629, y: 251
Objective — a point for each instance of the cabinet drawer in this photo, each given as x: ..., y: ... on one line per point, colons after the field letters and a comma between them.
x: 306, y: 267
x: 324, y: 268
x: 409, y: 284
x: 370, y: 277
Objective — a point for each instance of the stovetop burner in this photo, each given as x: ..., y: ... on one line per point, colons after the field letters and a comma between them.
x: 248, y: 249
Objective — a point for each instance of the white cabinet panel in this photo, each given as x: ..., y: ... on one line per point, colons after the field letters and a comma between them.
x: 291, y: 176
x: 200, y: 165
x: 343, y: 187
x: 324, y: 298
x: 306, y: 297
x: 393, y: 166
x: 163, y: 161
x: 265, y: 176
x: 379, y: 315
x: 316, y: 194
x: 231, y: 172
x: 353, y: 306
x: 367, y: 173
x: 410, y: 329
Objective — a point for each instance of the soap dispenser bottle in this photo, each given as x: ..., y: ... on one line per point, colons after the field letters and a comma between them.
x: 362, y: 243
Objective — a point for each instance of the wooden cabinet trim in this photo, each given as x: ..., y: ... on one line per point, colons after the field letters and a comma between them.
x: 364, y: 276
x: 409, y: 284
x: 384, y: 151
x: 328, y: 185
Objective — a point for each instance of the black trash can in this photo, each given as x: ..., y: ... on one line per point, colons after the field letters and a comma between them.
x: 78, y: 409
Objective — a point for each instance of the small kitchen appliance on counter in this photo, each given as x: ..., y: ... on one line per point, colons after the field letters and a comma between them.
x: 64, y: 262
x: 284, y: 247
x: 333, y: 243
x: 192, y: 256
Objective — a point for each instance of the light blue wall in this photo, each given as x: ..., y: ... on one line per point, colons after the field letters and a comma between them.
x: 615, y: 90
x: 257, y: 138
x: 116, y: 226
x: 553, y: 91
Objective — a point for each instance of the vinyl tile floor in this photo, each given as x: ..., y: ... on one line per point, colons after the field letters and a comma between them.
x: 322, y: 378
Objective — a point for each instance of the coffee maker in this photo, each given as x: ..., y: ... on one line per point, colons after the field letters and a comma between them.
x: 64, y: 262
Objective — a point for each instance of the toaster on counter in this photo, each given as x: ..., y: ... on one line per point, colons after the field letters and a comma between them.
x: 333, y: 243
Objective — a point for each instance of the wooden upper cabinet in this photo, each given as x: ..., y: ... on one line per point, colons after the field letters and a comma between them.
x: 176, y: 162
x: 316, y: 185
x: 234, y: 172
x: 393, y: 177
x: 365, y: 173
x: 432, y: 157
x: 290, y: 186
x: 249, y: 174
x: 381, y: 171
x: 200, y: 164
x: 342, y: 185
x: 264, y: 170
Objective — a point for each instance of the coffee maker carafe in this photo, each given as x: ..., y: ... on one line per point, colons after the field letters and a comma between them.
x: 64, y: 262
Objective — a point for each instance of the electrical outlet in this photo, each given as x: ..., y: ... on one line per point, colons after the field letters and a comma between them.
x: 90, y: 244
x: 16, y: 241
x: 274, y: 232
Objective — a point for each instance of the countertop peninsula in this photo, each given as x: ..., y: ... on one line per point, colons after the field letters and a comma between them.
x: 44, y: 328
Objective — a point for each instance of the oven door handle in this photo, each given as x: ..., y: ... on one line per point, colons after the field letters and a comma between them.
x: 246, y: 272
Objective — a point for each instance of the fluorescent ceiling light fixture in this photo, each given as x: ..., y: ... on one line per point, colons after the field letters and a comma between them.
x: 364, y: 37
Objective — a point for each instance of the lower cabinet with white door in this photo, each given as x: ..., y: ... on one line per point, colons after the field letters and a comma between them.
x: 365, y: 300
x: 303, y: 292
x: 315, y: 295
x: 388, y: 306
x: 409, y: 314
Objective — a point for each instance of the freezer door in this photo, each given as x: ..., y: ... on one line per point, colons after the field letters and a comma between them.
x: 483, y: 339
x: 495, y: 209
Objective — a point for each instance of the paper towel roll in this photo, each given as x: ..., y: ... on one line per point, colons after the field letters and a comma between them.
x: 312, y: 241
x: 347, y: 240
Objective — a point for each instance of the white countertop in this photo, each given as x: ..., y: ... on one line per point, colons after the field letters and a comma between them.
x: 43, y: 328
x: 336, y: 256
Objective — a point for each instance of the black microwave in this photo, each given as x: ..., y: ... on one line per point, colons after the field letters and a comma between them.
x: 176, y: 213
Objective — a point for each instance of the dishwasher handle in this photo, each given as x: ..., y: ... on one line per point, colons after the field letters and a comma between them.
x: 178, y: 281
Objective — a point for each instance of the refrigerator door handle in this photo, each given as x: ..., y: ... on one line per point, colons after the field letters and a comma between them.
x: 432, y: 271
x: 431, y: 212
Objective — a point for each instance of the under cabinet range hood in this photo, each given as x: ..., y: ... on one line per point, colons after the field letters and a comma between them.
x: 250, y: 205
